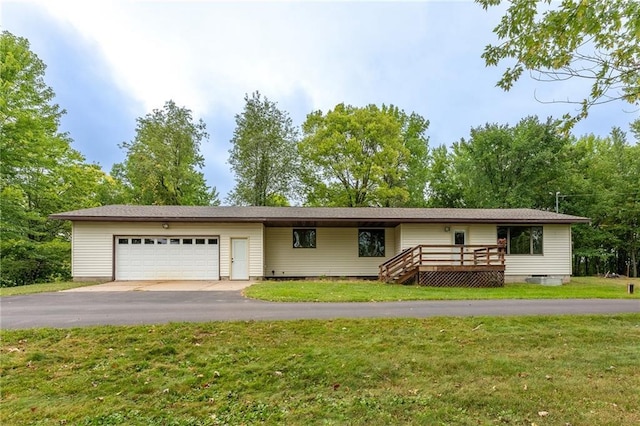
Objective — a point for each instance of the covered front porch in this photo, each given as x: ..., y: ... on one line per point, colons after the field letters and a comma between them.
x: 446, y: 266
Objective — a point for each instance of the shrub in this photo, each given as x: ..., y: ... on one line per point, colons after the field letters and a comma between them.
x: 28, y: 262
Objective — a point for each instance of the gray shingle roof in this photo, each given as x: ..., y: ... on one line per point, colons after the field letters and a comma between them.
x: 334, y: 215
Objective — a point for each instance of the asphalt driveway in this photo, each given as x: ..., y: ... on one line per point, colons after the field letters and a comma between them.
x: 85, y: 308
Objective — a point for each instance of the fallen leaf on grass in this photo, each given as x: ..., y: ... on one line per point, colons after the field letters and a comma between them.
x: 543, y: 413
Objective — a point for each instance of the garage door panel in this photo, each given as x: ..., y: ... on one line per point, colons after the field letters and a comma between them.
x: 148, y: 257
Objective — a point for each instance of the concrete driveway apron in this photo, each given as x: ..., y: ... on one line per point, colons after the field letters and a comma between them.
x: 164, y: 285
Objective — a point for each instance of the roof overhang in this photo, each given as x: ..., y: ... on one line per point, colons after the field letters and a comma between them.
x: 316, y: 217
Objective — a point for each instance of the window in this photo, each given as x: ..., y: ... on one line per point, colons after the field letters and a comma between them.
x: 123, y: 241
x: 174, y: 241
x: 212, y: 241
x: 371, y: 242
x: 136, y: 241
x: 521, y: 239
x: 187, y: 241
x: 304, y: 238
x: 458, y: 238
x: 199, y: 240
x: 149, y: 241
x: 162, y: 241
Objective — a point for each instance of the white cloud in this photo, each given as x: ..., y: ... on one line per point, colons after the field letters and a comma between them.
x: 206, y: 55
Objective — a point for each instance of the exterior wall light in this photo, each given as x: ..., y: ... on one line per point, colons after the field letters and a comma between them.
x: 447, y: 229
x: 165, y: 226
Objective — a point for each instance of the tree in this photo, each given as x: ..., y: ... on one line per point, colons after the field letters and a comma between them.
x: 444, y: 189
x: 264, y: 156
x: 414, y: 165
x: 162, y: 160
x: 604, y: 185
x: 40, y: 173
x: 598, y: 41
x: 366, y: 156
x: 501, y: 166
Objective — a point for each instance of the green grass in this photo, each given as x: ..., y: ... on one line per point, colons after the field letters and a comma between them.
x: 365, y: 291
x: 43, y: 288
x: 578, y: 370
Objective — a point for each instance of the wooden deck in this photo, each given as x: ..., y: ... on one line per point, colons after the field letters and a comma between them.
x: 447, y: 266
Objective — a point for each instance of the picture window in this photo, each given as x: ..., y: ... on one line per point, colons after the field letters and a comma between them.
x: 371, y: 243
x: 522, y: 239
x: 304, y: 238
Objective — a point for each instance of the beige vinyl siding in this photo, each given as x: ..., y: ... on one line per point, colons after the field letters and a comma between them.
x: 414, y: 234
x: 555, y: 260
x: 336, y: 254
x: 556, y: 257
x: 483, y: 234
x: 92, y: 246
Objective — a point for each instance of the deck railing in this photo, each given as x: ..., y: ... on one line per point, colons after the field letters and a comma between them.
x: 410, y: 259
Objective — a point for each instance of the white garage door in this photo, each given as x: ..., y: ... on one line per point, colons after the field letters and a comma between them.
x: 173, y: 258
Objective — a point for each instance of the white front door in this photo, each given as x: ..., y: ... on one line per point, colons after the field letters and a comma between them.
x: 459, y: 236
x: 239, y: 259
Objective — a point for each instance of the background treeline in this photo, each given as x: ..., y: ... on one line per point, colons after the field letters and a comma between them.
x: 374, y: 155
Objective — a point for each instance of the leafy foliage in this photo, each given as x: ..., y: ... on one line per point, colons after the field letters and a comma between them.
x: 25, y: 261
x: 264, y: 156
x: 40, y: 173
x: 366, y: 156
x: 500, y: 166
x: 598, y: 41
x: 605, y: 181
x: 162, y: 161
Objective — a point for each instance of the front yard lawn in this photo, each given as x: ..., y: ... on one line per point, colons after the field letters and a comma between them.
x: 368, y: 291
x: 578, y: 370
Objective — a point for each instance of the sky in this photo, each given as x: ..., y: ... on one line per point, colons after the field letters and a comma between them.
x: 110, y: 62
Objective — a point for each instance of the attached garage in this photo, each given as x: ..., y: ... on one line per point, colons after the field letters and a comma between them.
x: 158, y: 258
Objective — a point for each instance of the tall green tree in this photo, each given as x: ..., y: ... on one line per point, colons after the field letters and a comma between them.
x: 367, y: 156
x: 263, y: 156
x: 502, y: 166
x: 414, y: 164
x: 594, y: 40
x: 444, y: 188
x: 604, y: 185
x: 40, y: 173
x: 163, y: 161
